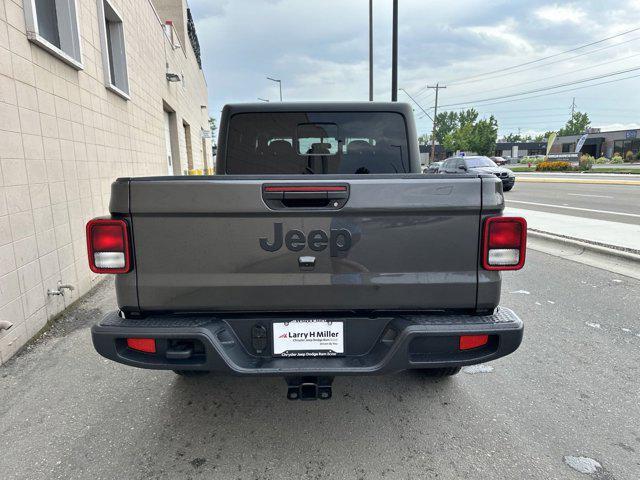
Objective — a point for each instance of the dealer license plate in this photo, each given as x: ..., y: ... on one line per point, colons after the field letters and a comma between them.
x: 308, y: 338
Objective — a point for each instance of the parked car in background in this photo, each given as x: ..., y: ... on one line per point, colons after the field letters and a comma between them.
x: 500, y: 160
x: 432, y: 167
x: 479, y: 164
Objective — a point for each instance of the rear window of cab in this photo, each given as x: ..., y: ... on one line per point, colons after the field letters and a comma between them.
x: 317, y: 143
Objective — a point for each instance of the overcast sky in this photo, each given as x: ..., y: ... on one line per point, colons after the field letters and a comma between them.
x: 319, y: 48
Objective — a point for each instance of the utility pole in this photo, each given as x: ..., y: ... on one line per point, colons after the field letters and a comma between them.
x: 437, y: 87
x: 394, y: 54
x: 573, y: 107
x: 371, y: 50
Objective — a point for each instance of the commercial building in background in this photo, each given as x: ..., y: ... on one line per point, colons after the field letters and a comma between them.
x: 90, y: 90
x: 608, y: 144
x: 516, y: 150
x: 440, y: 153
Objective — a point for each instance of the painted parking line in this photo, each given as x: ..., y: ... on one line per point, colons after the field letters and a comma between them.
x: 586, y: 195
x: 594, y: 181
x: 608, y: 212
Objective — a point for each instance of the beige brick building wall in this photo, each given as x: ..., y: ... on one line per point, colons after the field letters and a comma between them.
x: 64, y: 138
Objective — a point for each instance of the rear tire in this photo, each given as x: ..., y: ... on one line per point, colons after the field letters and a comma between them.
x: 191, y: 373
x: 440, y: 372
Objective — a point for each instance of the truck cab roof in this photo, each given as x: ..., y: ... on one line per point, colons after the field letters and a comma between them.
x: 398, y: 107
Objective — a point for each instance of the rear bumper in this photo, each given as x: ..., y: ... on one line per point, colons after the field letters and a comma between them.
x: 373, y: 345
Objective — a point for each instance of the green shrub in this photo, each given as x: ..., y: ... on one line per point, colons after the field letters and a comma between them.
x: 629, y: 156
x: 553, y: 166
x: 586, y: 162
x: 617, y: 159
x: 601, y: 161
x: 531, y: 160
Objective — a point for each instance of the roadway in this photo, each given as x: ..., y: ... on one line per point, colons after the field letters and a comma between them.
x: 616, y: 203
x: 571, y: 390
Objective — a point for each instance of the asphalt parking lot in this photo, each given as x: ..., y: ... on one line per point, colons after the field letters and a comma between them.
x: 571, y: 390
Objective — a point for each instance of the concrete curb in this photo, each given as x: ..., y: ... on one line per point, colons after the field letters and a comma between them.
x: 601, y: 249
x: 603, y: 257
x: 595, y: 181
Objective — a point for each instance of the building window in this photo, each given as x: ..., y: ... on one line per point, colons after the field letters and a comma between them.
x: 114, y: 59
x: 627, y: 149
x: 568, y: 147
x: 53, y: 25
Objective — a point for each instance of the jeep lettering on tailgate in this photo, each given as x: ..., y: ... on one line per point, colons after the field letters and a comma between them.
x: 339, y: 240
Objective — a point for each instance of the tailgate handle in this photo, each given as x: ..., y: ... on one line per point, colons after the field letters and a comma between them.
x: 305, y: 196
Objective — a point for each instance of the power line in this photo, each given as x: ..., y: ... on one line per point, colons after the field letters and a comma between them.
x: 427, y: 92
x: 563, y: 109
x: 590, y: 67
x: 525, y: 115
x: 422, y: 91
x: 532, y: 67
x: 550, y: 93
x: 551, y: 87
x: 414, y: 101
x: 580, y: 47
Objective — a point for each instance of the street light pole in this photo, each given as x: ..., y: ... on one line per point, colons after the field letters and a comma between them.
x: 371, y: 50
x: 394, y: 55
x: 279, y: 85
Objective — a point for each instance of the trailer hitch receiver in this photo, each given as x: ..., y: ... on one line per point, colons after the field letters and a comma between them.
x: 309, y: 388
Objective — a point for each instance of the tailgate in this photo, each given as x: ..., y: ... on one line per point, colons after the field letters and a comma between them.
x: 233, y: 244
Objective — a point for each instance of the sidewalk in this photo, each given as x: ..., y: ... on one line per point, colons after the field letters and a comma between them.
x: 600, y: 232
x: 590, y: 178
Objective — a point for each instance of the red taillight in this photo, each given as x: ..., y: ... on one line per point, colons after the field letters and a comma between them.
x: 504, y: 243
x: 107, y: 238
x: 467, y: 342
x: 147, y: 345
x: 108, y: 245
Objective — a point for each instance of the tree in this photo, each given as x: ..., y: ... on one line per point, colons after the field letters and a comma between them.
x: 516, y: 137
x: 423, y: 139
x: 471, y: 134
x: 577, y: 124
x: 541, y: 137
x: 212, y: 125
x: 484, y: 136
x: 460, y: 138
x: 446, y: 122
x: 467, y: 116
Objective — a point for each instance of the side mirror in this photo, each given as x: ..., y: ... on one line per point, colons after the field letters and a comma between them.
x: 462, y: 167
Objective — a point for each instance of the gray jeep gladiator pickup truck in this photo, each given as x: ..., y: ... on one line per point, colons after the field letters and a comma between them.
x: 318, y: 249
